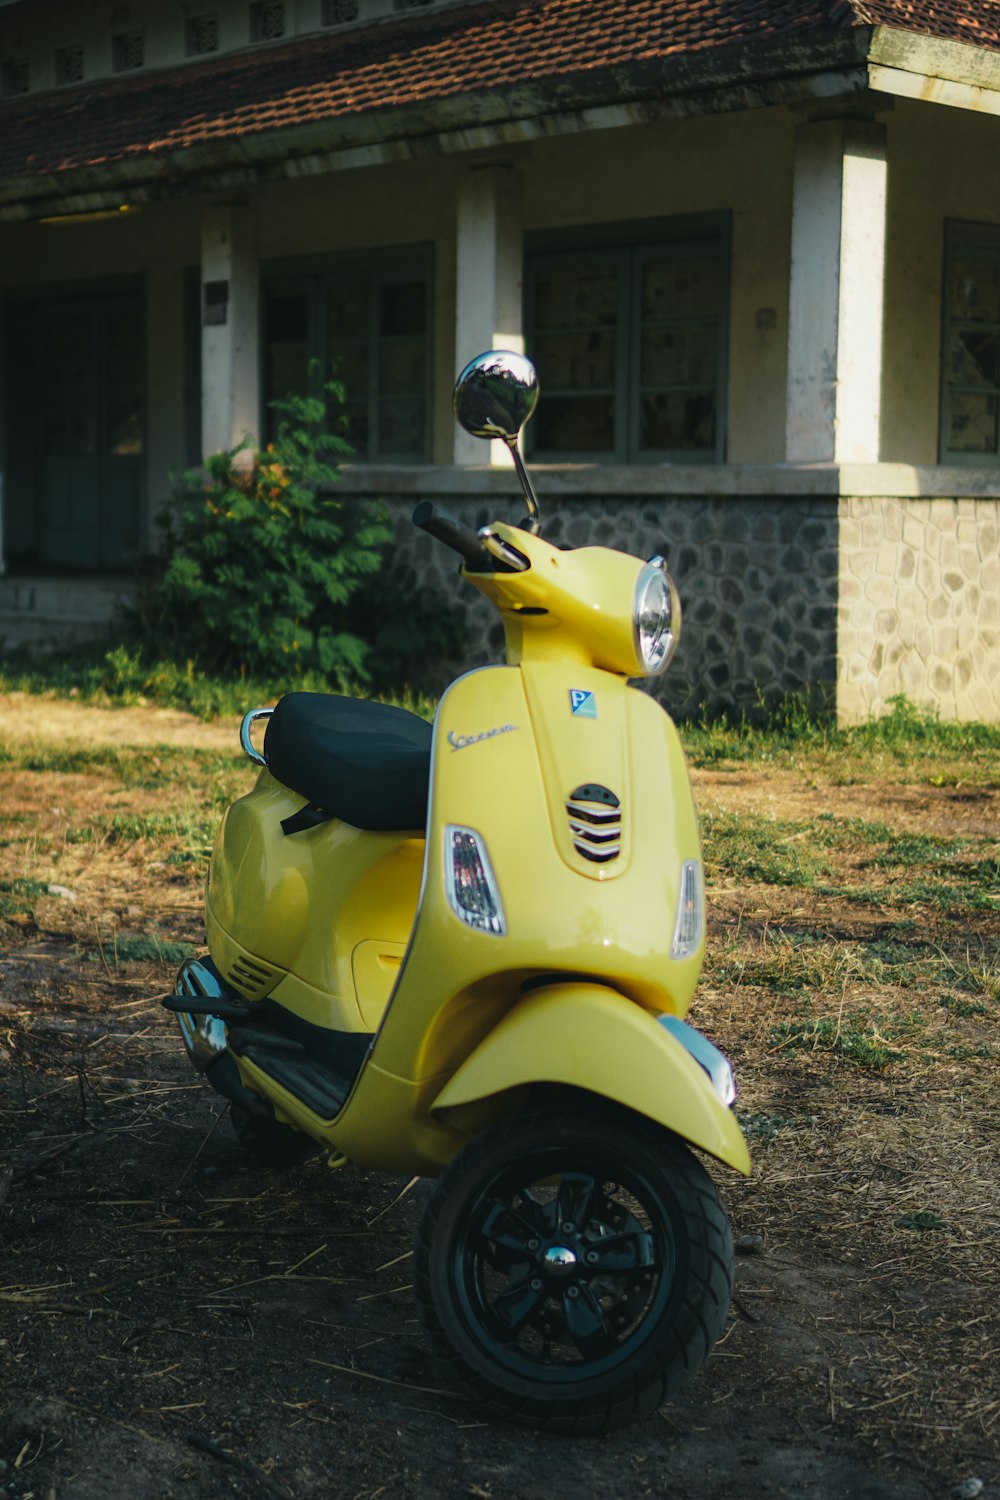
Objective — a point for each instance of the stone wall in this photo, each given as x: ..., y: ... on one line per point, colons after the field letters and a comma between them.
x: 758, y: 579
x: 919, y: 609
x: 847, y: 599
x: 793, y: 580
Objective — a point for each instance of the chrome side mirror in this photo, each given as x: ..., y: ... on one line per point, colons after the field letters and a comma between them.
x: 494, y: 396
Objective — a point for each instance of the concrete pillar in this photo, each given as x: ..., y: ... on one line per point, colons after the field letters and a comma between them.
x: 489, y: 253
x: 230, y: 379
x: 834, y: 394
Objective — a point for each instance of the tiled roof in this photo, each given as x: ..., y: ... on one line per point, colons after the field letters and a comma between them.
x: 974, y: 21
x: 419, y: 61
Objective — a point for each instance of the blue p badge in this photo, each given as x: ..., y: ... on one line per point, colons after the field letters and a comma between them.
x: 582, y: 703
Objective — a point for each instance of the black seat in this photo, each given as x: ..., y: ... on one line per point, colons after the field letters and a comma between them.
x: 367, y: 763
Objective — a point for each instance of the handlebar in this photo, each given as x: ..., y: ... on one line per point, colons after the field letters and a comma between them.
x: 461, y: 539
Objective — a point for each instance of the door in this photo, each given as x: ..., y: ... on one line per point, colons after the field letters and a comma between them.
x: 84, y: 368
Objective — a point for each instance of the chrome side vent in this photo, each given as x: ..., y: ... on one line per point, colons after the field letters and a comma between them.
x: 252, y: 978
x: 595, y: 823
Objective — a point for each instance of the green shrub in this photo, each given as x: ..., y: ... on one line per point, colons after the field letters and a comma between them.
x: 260, y: 560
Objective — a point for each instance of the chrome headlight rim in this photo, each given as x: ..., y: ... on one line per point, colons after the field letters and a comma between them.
x: 656, y: 618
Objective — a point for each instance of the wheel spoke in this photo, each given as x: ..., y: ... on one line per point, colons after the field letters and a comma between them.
x: 516, y: 1306
x: 587, y: 1328
x: 506, y: 1229
x: 575, y: 1199
x: 623, y: 1252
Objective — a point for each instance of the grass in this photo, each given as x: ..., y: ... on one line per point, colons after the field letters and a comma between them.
x: 18, y: 897
x: 142, y: 948
x: 127, y: 678
x: 852, y: 974
x: 909, y: 744
x: 750, y: 847
x: 193, y: 830
x: 130, y: 766
x: 761, y: 1129
x: 923, y: 1220
x: 914, y: 869
x: 860, y: 1041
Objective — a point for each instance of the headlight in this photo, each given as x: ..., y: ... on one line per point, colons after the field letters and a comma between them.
x: 656, y: 618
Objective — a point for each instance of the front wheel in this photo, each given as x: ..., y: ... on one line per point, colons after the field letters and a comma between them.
x: 575, y: 1269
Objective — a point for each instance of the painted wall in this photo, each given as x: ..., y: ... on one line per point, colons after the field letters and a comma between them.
x: 740, y: 163
x: 943, y: 164
x: 34, y: 31
x: 737, y: 163
x: 378, y: 207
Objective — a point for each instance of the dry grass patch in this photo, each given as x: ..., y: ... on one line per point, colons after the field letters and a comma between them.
x: 853, y: 975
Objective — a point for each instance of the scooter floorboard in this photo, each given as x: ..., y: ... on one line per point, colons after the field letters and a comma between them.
x: 320, y: 1086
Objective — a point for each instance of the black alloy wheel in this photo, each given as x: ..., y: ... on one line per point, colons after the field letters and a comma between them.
x: 574, y: 1268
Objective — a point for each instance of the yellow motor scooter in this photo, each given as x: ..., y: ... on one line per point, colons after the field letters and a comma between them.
x: 466, y: 952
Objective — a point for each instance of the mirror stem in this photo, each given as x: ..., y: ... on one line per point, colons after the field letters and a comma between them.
x: 534, y: 519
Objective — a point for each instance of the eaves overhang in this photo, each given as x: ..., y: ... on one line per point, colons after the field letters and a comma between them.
x: 909, y: 65
x: 773, y: 71
x: 807, y: 69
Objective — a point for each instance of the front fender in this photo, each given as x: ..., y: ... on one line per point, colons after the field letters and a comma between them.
x: 592, y: 1038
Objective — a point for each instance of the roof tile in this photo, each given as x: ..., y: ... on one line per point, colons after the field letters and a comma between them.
x: 420, y: 60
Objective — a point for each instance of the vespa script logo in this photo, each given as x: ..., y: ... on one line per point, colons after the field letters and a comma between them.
x: 463, y: 741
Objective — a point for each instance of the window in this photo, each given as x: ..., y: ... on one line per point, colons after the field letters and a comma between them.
x: 970, y: 386
x: 128, y: 51
x: 629, y: 336
x: 201, y: 35
x: 339, y: 12
x: 366, y: 321
x: 267, y: 21
x: 17, y: 76
x: 69, y: 64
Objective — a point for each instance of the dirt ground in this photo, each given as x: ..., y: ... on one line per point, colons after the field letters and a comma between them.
x: 175, y: 1322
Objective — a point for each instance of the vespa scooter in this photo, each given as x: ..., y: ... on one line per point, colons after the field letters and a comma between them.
x: 466, y: 952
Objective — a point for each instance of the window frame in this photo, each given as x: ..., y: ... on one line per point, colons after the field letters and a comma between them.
x: 380, y: 268
x: 632, y: 244
x: 964, y: 239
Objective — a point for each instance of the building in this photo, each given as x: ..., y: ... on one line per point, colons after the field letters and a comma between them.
x: 753, y: 246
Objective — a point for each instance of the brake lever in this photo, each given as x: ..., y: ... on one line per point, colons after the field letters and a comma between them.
x: 502, y: 550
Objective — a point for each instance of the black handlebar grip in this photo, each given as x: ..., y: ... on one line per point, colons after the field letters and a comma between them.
x: 453, y: 534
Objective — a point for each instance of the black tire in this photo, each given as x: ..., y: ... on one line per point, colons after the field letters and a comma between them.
x: 270, y: 1143
x: 574, y: 1268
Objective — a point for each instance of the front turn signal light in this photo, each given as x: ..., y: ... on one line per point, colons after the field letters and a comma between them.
x: 470, y: 883
x: 689, y: 920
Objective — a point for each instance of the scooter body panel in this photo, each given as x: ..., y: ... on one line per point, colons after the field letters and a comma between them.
x: 508, y: 753
x: 315, y: 921
x: 587, y: 1037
